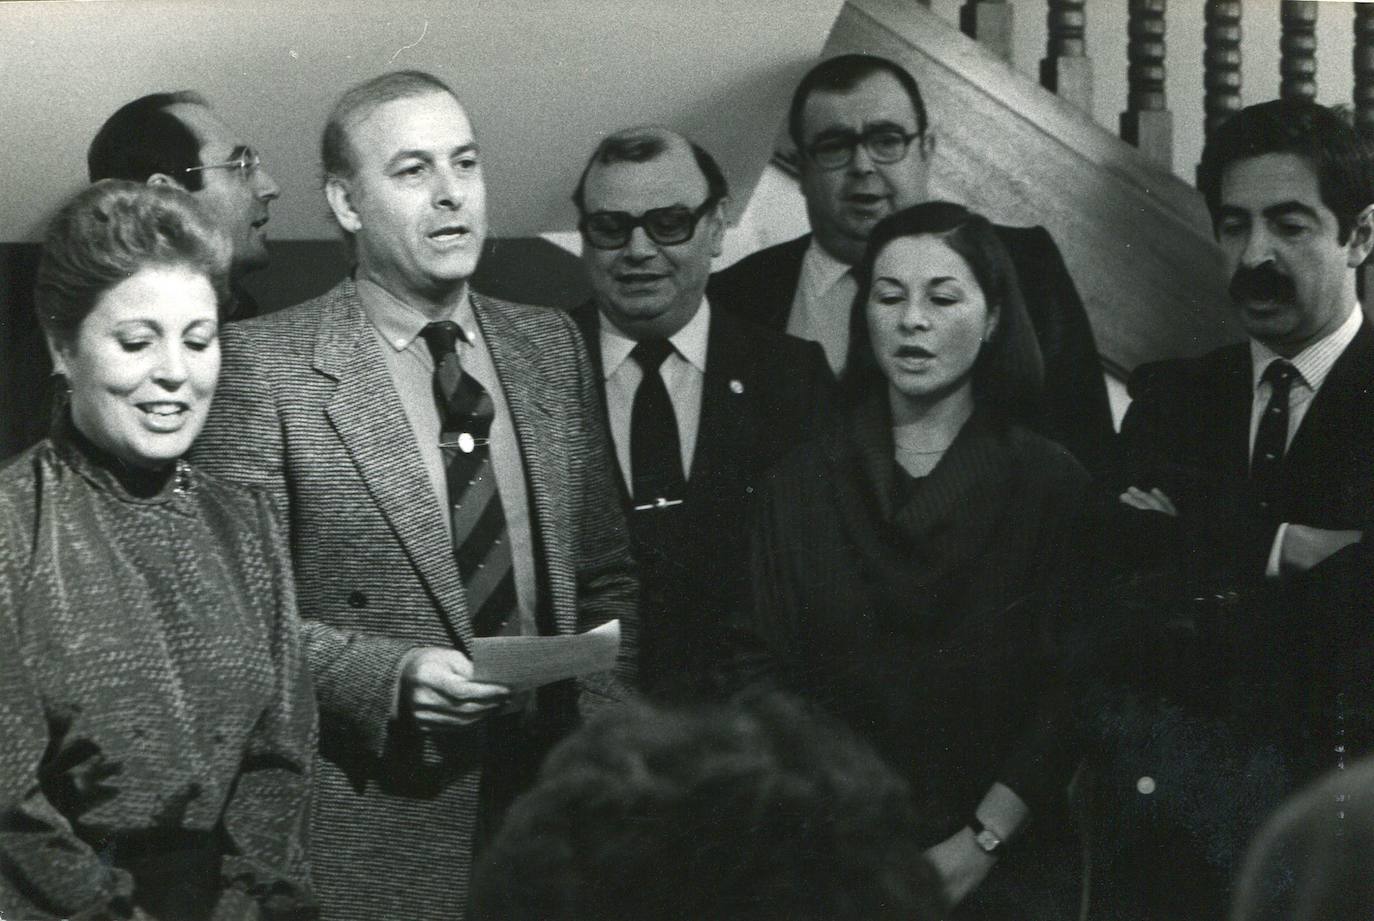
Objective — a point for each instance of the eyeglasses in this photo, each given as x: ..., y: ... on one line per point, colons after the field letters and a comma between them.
x: 246, y: 163
x: 665, y: 226
x: 884, y: 145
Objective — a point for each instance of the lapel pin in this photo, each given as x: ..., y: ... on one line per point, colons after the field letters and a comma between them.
x: 736, y: 386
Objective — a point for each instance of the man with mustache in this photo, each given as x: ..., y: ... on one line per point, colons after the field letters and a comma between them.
x: 864, y: 150
x: 177, y: 139
x: 440, y: 465
x: 1247, y: 486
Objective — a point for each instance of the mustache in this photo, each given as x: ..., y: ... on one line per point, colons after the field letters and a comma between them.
x: 1262, y: 283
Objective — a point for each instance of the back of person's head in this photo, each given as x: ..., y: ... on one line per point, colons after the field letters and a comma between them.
x: 1314, y: 858
x: 356, y: 103
x: 752, y: 812
x: 1008, y: 376
x: 1342, y: 159
x: 110, y: 231
x: 642, y: 144
x: 143, y: 138
x: 841, y: 74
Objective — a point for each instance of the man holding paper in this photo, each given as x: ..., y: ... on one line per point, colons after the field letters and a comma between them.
x: 440, y: 464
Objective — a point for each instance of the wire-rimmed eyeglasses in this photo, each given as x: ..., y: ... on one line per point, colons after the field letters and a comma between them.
x: 246, y: 163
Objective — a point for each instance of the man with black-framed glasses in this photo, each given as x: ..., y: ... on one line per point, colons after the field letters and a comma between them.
x: 177, y: 139
x: 698, y: 401
x: 865, y: 147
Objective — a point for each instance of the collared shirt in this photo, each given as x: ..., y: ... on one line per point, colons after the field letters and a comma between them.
x: 1313, y: 365
x: 408, y: 359
x: 683, y: 373
x: 823, y: 303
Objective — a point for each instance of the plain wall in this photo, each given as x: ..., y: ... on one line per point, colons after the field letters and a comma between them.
x: 543, y: 81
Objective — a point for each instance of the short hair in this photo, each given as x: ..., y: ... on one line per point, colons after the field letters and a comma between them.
x: 1338, y: 154
x: 758, y: 810
x: 640, y: 145
x: 143, y: 138
x: 336, y: 157
x: 1311, y: 860
x: 110, y: 231
x: 840, y: 75
x: 1008, y: 375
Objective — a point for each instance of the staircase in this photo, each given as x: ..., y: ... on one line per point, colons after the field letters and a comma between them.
x: 1136, y: 238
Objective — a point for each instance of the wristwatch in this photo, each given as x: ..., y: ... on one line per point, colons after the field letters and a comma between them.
x: 987, y: 840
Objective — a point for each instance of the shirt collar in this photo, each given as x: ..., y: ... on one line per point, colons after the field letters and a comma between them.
x: 822, y: 269
x: 1314, y: 363
x: 689, y: 342
x: 400, y: 323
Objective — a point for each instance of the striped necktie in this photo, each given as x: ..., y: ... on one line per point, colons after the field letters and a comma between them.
x: 480, y: 540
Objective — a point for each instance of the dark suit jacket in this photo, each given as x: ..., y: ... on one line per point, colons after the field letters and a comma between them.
x: 1077, y: 413
x: 764, y: 393
x: 1227, y: 689
x: 306, y: 409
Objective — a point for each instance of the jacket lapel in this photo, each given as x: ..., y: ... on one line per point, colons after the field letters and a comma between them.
x: 366, y: 412
x: 543, y: 445
x: 723, y: 426
x: 1346, y: 395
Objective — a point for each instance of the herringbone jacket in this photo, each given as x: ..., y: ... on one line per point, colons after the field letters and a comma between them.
x: 307, y: 409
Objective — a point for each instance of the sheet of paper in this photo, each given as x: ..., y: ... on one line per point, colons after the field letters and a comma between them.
x: 523, y: 662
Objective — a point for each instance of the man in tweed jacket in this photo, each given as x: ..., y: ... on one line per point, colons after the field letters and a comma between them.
x: 330, y: 405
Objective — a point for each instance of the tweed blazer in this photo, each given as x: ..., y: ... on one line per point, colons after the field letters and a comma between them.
x: 761, y: 287
x: 306, y: 409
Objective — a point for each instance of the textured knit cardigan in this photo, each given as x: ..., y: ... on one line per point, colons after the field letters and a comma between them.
x: 157, y: 726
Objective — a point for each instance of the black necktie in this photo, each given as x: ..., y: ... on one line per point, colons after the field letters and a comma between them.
x: 1271, y: 437
x: 480, y: 540
x: 655, y: 451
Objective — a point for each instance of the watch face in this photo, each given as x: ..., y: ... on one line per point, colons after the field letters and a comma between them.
x: 987, y: 841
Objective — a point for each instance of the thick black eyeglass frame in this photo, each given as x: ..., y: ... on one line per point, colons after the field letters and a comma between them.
x: 628, y: 222
x: 842, y: 147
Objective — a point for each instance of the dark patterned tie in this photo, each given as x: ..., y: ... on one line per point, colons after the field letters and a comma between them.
x: 655, y: 450
x: 479, y: 523
x: 1271, y: 437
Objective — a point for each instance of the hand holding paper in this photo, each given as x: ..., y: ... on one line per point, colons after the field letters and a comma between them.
x: 524, y: 662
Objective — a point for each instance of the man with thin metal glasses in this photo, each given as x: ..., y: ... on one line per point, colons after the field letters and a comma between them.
x: 176, y: 139
x: 864, y: 150
x: 698, y: 401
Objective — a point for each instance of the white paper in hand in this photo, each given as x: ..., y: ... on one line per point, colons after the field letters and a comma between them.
x: 524, y: 662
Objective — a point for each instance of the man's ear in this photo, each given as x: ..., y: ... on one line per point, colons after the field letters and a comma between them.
x: 927, y: 143
x: 718, y: 225
x: 1361, y: 238
x: 164, y: 179
x: 340, y: 198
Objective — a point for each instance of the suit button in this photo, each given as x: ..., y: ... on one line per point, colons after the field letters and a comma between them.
x: 357, y: 600
x: 1145, y: 785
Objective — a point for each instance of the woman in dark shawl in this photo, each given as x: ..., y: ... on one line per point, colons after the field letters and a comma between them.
x: 905, y: 565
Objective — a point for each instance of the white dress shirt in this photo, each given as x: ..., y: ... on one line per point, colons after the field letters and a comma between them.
x: 683, y: 373
x: 822, y: 305
x: 1313, y: 365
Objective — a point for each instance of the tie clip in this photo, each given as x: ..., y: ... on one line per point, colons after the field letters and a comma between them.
x: 465, y: 443
x: 660, y: 502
